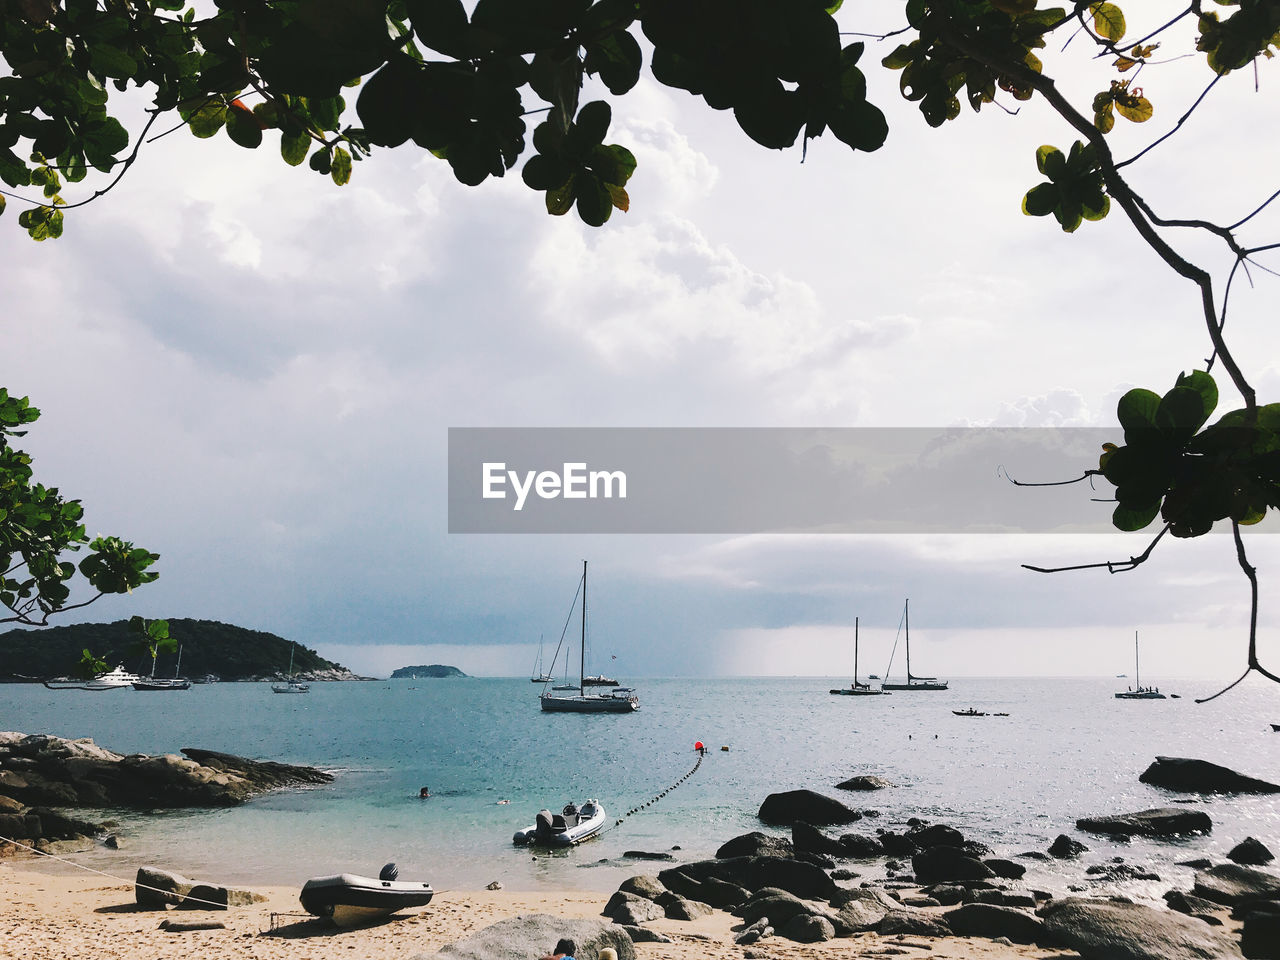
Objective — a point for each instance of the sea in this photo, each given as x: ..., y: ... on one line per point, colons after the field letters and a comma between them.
x: 492, y: 759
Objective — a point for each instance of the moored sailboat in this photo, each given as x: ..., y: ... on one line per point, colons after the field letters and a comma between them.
x: 291, y: 685
x: 617, y: 700
x: 857, y: 689
x: 1138, y: 691
x: 912, y: 682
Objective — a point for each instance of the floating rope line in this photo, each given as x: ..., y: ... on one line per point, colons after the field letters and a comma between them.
x: 109, y: 876
x: 655, y: 799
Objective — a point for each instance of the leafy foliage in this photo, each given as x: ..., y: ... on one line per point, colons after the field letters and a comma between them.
x: 1192, y: 478
x: 1075, y: 189
x: 38, y: 526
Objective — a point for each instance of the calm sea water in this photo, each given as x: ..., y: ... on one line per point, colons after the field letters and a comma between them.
x: 1068, y: 749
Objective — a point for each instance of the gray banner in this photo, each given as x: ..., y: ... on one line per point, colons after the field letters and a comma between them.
x: 773, y: 480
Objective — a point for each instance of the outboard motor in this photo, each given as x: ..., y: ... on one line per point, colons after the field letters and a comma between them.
x: 545, y: 824
x: 389, y: 872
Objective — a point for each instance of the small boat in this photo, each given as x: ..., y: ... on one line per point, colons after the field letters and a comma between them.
x: 971, y: 712
x: 912, y: 682
x: 117, y: 679
x: 291, y: 685
x: 599, y: 680
x: 1138, y: 691
x: 617, y: 700
x: 348, y: 899
x: 1275, y: 728
x: 163, y: 683
x: 540, y: 675
x: 572, y: 825
x: 857, y: 689
x: 999, y: 714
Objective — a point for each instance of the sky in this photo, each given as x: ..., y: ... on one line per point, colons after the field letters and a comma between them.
x: 252, y: 372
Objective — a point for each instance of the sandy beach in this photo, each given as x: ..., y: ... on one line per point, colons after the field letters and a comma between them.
x: 78, y: 916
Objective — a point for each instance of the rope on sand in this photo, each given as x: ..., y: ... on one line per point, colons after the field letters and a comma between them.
x: 109, y: 876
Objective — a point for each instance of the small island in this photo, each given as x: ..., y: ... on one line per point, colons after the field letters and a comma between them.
x: 433, y: 671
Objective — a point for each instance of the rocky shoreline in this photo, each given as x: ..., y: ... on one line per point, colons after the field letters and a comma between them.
x: 41, y: 774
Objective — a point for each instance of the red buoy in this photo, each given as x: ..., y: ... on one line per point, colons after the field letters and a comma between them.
x: 699, y: 746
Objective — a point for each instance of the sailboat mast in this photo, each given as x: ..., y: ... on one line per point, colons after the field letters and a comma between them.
x: 177, y: 666
x: 582, y: 662
x: 906, y: 615
x: 1137, y: 675
x: 855, y: 651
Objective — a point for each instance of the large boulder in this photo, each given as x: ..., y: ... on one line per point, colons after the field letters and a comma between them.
x: 643, y: 885
x: 1158, y: 822
x: 755, y: 844
x: 808, y: 928
x: 865, y: 783
x: 1200, y: 776
x: 803, y: 879
x: 1251, y: 851
x: 1260, y: 936
x: 860, y: 847
x: 1065, y: 848
x: 937, y: 835
x: 1111, y: 930
x: 534, y: 935
x: 809, y: 839
x: 778, y: 906
x: 914, y: 923
x: 792, y: 805
x: 1232, y: 884
x: 991, y: 921
x: 631, y: 909
x: 156, y: 889
x: 940, y: 864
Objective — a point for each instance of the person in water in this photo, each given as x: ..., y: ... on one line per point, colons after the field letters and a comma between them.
x: 424, y: 793
x: 565, y: 949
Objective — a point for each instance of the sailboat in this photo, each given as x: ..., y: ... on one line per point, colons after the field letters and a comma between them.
x: 912, y: 682
x: 291, y: 685
x: 618, y: 700
x: 1138, y: 691
x: 163, y: 683
x: 540, y: 675
x: 857, y: 689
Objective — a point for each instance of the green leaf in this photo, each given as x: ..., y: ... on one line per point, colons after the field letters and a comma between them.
x: 1137, y: 411
x: 594, y: 202
x: 1051, y: 162
x: 294, y: 148
x: 617, y: 60
x: 1041, y: 200
x: 1181, y: 413
x: 243, y: 128
x: 1136, y: 109
x: 1134, y: 518
x: 560, y: 200
x: 109, y: 61
x: 1204, y: 385
x: 1108, y: 20
x: 340, y: 169
x: 207, y: 117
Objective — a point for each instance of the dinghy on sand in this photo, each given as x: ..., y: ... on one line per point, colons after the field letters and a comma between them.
x: 348, y: 899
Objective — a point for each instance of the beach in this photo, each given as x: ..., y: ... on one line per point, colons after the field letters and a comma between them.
x: 79, y: 916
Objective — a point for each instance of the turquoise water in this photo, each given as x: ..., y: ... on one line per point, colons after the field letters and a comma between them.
x: 1067, y: 750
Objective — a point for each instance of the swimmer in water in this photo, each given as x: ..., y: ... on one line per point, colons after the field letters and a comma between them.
x: 424, y: 793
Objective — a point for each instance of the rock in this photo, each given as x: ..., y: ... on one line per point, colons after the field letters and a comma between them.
x: 939, y: 864
x: 778, y: 907
x: 645, y: 935
x: 819, y: 860
x: 1005, y: 869
x: 57, y: 848
x: 642, y: 885
x: 10, y: 805
x: 208, y: 896
x: 919, y: 902
x: 1260, y: 936
x: 1158, y: 822
x: 1119, y: 873
x: 897, y: 844
x: 865, y: 783
x: 938, y: 835
x: 180, y: 926
x: 57, y: 826
x: 802, y: 879
x: 859, y: 847
x: 495, y: 885
x: 858, y: 916
x: 533, y: 935
x: 114, y: 841
x: 155, y: 889
x: 806, y: 838
x: 1064, y: 847
x: 678, y: 908
x: 1231, y: 884
x: 722, y: 894
x: 788, y: 807
x: 947, y: 894
x: 1189, y: 904
x: 1109, y: 930
x: 1001, y: 898
x: 989, y: 920
x: 756, y: 844
x: 646, y: 855
x: 632, y: 910
x: 808, y: 928
x: 1251, y: 851
x: 1200, y: 776
x: 913, y: 924
x: 842, y: 873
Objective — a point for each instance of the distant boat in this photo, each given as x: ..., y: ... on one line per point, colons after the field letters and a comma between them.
x: 1275, y: 728
x: 348, y: 899
x: 971, y: 712
x: 857, y: 689
x: 540, y: 675
x: 599, y: 680
x: 117, y: 679
x: 571, y: 826
x: 1138, y: 691
x: 912, y: 682
x: 291, y: 685
x: 618, y: 700
x: 163, y: 683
